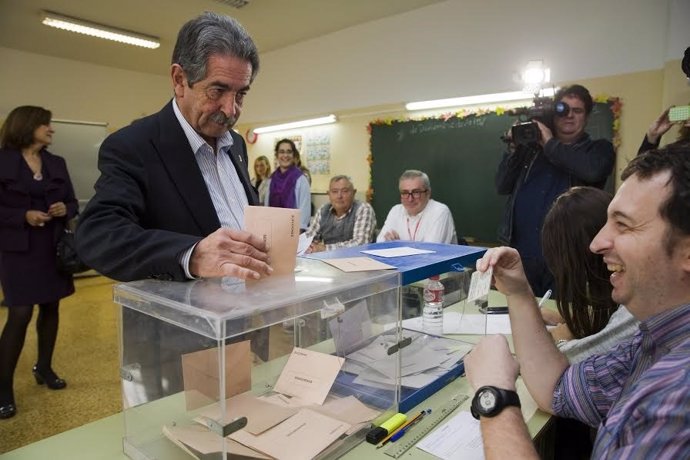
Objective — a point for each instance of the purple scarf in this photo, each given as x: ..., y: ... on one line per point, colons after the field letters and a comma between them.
x: 282, y: 191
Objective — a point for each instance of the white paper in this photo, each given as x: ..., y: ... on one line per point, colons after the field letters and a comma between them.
x: 358, y: 264
x: 423, y: 361
x: 397, y: 252
x: 480, y: 284
x: 459, y: 437
x: 466, y: 323
x: 303, y: 243
x: 416, y: 324
x: 351, y: 329
x: 498, y: 324
x: 452, y: 323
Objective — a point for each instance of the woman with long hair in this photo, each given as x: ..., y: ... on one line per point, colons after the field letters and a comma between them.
x: 289, y: 187
x: 588, y: 320
x: 262, y: 171
x: 36, y: 201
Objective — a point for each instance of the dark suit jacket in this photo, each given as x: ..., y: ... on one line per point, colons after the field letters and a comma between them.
x: 15, y: 199
x: 151, y: 201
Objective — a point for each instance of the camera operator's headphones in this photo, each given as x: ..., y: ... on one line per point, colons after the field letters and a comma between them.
x: 685, y: 64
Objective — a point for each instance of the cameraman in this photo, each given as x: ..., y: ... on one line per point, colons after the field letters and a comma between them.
x: 534, y: 175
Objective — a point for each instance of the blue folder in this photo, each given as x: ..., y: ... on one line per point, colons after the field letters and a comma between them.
x: 445, y: 258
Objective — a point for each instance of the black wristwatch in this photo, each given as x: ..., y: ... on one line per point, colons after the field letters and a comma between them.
x: 489, y: 401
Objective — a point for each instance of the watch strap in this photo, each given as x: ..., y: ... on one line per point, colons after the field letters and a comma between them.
x: 504, y: 398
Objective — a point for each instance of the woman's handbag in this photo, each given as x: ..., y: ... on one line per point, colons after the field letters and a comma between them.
x: 67, y: 259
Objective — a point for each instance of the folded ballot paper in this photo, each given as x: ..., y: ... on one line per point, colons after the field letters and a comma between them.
x: 277, y: 427
x: 295, y: 422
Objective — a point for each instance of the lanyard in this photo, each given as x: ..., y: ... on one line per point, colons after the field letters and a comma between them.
x: 410, y: 234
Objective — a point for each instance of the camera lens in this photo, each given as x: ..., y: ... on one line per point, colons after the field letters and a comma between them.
x: 561, y: 109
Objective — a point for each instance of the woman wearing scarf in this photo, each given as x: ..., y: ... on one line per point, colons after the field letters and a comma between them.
x: 289, y: 187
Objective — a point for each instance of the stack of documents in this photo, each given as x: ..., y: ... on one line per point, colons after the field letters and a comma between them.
x: 424, y: 360
x: 466, y: 323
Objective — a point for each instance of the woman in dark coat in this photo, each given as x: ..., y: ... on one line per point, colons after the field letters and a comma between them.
x: 36, y: 201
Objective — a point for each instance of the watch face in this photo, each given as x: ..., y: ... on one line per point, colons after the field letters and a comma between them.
x: 487, y: 400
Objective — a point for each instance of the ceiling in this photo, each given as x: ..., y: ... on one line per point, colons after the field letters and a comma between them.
x: 272, y: 23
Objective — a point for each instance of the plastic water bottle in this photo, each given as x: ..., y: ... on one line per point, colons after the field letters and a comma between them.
x: 432, y: 313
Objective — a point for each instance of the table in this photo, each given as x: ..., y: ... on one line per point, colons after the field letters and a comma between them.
x: 102, y: 439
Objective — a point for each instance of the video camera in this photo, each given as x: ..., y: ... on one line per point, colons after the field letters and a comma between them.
x: 544, y: 110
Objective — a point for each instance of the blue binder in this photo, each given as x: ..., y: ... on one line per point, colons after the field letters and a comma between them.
x: 445, y: 258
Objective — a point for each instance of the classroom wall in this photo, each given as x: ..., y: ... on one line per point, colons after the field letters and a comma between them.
x: 619, y: 48
x: 641, y: 94
x: 76, y: 90
x: 461, y: 48
x: 447, y: 49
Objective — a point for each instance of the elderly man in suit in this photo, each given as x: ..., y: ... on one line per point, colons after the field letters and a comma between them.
x: 170, y: 200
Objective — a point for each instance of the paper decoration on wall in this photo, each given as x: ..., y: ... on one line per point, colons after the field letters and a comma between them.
x: 317, y: 148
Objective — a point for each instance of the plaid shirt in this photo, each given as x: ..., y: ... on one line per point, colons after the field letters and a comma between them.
x: 365, y: 222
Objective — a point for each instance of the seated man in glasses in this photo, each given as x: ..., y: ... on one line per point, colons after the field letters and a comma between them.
x: 418, y: 217
x: 344, y: 222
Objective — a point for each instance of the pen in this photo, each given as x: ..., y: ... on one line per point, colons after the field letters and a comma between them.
x: 401, y: 429
x: 547, y: 294
x: 401, y: 432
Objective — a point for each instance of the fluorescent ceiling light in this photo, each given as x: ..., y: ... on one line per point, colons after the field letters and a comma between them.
x: 476, y: 100
x: 97, y: 30
x: 296, y: 124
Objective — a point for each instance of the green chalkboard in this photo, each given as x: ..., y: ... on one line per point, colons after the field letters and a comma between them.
x: 460, y: 155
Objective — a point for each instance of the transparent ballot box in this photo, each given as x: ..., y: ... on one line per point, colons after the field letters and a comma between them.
x: 219, y: 368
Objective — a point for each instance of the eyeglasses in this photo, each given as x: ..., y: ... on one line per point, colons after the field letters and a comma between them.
x: 414, y: 193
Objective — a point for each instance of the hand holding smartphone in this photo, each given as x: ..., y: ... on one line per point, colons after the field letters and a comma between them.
x: 679, y: 113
